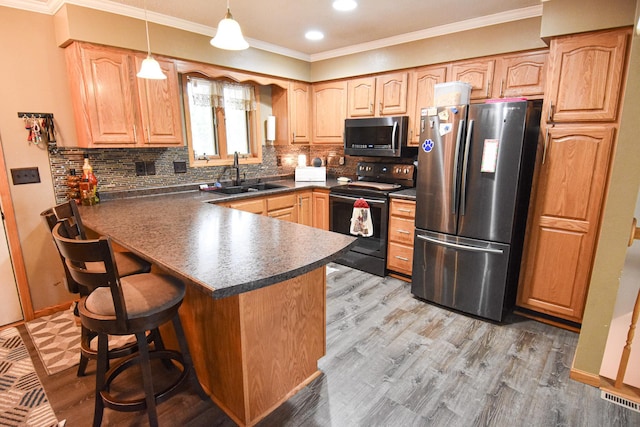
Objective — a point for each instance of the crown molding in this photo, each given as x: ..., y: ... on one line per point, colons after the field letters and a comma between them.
x: 469, y: 24
x: 50, y: 7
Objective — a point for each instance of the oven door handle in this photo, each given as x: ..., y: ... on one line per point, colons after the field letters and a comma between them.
x: 369, y: 200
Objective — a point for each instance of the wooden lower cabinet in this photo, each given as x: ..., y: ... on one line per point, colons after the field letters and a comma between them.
x: 256, y: 206
x: 283, y: 207
x: 303, y: 207
x: 565, y: 219
x: 321, y: 209
x: 402, y: 215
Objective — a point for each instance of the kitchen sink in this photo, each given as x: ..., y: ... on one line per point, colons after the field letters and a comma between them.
x: 249, y: 188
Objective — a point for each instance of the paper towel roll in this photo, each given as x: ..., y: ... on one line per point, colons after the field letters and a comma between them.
x: 271, y: 128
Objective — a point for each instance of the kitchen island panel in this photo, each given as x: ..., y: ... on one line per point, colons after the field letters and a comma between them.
x: 254, y: 350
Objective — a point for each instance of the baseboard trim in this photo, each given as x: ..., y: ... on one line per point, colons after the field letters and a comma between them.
x: 585, y: 377
x: 53, y: 309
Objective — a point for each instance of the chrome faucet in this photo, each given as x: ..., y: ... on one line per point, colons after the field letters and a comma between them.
x: 236, y: 166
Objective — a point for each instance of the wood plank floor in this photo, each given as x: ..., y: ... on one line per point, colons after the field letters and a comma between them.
x: 395, y: 361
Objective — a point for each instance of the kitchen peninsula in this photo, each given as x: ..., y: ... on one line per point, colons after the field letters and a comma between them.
x: 255, y: 308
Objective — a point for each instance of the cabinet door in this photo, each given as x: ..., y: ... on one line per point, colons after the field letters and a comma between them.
x: 361, y: 97
x: 391, y: 94
x: 479, y: 74
x: 109, y: 98
x: 160, y: 106
x: 305, y: 208
x: 586, y: 74
x: 321, y: 210
x: 329, y: 112
x: 564, y: 221
x: 421, y: 96
x: 299, y: 112
x: 519, y: 75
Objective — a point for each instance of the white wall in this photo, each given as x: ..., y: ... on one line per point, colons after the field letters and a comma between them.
x: 627, y: 293
x: 33, y: 78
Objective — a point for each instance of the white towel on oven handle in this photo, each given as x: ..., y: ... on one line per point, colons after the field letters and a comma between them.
x: 361, y: 223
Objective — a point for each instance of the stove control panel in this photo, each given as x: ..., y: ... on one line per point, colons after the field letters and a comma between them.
x: 396, y: 173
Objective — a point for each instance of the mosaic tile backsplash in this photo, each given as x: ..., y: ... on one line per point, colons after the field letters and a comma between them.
x: 115, y: 167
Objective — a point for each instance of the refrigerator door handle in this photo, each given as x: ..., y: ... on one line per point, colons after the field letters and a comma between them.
x: 461, y: 247
x: 394, y: 131
x: 454, y: 178
x: 465, y: 168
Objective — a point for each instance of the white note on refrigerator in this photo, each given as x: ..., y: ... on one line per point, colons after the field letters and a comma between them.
x: 489, y: 156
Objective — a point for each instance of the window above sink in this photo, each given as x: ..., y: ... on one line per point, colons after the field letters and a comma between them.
x: 220, y: 118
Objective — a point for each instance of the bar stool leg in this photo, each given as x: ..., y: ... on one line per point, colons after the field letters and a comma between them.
x: 101, y: 372
x: 145, y: 366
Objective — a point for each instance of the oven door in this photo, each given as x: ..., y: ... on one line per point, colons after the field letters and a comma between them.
x: 340, y: 212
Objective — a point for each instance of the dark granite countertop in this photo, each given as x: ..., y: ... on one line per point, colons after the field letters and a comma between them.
x: 222, y: 251
x: 407, y: 194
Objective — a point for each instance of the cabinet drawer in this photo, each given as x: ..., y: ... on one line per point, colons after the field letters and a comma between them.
x: 403, y: 208
x: 281, y: 202
x: 400, y: 258
x: 401, y: 230
x: 253, y: 205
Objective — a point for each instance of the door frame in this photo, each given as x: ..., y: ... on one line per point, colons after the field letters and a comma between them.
x: 15, y: 249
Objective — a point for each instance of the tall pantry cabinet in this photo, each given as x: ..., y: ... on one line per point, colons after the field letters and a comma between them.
x: 579, y: 127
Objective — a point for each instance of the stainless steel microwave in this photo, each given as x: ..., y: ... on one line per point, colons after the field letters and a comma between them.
x: 378, y: 137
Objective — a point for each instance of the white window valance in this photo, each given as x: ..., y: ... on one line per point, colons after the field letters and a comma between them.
x: 215, y: 93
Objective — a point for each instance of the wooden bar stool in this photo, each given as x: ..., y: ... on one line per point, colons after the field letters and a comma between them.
x: 128, y: 264
x: 128, y: 305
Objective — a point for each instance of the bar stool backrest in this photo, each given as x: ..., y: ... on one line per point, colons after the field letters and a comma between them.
x: 78, y: 254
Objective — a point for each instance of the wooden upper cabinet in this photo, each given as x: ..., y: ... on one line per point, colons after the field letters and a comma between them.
x: 159, y: 106
x: 565, y: 219
x: 329, y: 102
x: 300, y: 112
x: 113, y: 109
x: 362, y: 97
x: 421, y: 95
x: 378, y: 96
x: 586, y: 73
x: 103, y: 97
x: 520, y: 75
x: 478, y: 73
x: 391, y: 93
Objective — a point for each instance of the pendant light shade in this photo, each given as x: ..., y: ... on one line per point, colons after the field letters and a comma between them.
x: 229, y: 35
x: 150, y: 69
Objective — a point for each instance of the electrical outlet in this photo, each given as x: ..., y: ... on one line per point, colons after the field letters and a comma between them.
x: 25, y: 175
x: 150, y: 167
x: 141, y: 169
x: 179, y: 167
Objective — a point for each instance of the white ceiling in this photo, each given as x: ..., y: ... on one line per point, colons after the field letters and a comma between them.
x: 279, y: 25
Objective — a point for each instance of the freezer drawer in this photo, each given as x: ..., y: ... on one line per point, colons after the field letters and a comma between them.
x: 464, y: 274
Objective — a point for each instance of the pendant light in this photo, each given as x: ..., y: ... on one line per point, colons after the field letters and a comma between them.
x: 150, y: 69
x: 229, y: 35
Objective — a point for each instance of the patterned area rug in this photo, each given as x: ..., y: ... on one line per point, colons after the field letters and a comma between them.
x: 23, y: 401
x: 57, y: 340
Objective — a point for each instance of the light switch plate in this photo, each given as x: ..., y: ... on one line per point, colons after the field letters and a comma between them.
x: 25, y: 175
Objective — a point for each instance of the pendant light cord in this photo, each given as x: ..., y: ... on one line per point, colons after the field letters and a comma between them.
x: 146, y: 24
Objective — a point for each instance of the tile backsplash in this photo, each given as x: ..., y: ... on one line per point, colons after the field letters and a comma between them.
x: 115, y: 168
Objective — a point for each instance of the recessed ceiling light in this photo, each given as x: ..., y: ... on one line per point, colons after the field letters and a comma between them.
x: 344, y: 4
x: 314, y: 35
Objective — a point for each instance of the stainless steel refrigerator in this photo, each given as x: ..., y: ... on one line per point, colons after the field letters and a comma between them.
x: 475, y: 170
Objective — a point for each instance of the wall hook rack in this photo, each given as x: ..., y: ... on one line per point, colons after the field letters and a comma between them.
x: 41, y: 128
x: 35, y: 115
